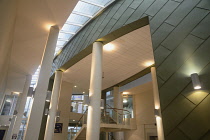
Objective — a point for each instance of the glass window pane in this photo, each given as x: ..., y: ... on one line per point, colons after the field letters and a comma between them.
x: 64, y: 36
x: 60, y: 43
x: 78, y: 19
x: 70, y: 28
x: 99, y: 2
x: 86, y: 8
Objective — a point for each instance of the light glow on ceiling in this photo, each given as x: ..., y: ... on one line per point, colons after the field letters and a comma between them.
x: 16, y: 93
x: 148, y: 63
x: 109, y: 47
x: 125, y: 93
x: 84, y: 12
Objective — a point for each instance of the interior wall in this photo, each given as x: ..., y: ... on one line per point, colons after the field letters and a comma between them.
x: 144, y: 115
x: 7, y: 23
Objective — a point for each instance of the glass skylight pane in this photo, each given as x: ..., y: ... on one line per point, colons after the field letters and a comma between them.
x: 60, y: 43
x: 64, y: 36
x: 78, y: 19
x: 86, y: 9
x: 99, y: 2
x: 70, y: 28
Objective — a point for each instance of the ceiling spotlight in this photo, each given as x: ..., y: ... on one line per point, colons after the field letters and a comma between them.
x: 16, y: 93
x: 73, y: 120
x: 125, y: 93
x: 195, y: 81
x: 109, y: 47
x: 75, y: 86
x: 83, y: 92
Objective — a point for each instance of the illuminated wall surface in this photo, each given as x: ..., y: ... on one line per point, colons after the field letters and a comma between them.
x: 181, y: 41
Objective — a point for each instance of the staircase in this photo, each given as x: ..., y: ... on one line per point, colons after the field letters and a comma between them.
x: 112, y: 120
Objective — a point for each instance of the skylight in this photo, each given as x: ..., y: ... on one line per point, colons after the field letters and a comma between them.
x: 83, y: 12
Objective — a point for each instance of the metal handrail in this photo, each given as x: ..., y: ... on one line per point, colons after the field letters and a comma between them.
x: 118, y: 109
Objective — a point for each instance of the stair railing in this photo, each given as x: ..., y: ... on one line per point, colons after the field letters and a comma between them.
x: 82, y: 120
x: 115, y: 116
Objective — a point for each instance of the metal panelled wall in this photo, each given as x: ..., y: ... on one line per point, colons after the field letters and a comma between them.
x: 181, y: 42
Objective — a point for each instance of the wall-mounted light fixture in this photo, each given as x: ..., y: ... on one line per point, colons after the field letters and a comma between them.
x: 157, y: 113
x: 86, y: 100
x: 48, y: 97
x: 195, y: 81
x: 46, y: 111
x: 102, y: 104
x: 58, y: 113
x: 125, y: 100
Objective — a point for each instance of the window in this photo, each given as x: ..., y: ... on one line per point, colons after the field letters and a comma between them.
x: 83, y: 12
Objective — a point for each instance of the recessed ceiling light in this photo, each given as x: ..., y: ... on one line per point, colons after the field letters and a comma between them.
x: 109, y: 47
x: 75, y: 86
x: 125, y: 93
x: 73, y: 120
x: 83, y: 92
x: 16, y: 93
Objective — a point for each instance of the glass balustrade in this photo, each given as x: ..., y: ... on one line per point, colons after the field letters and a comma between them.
x: 109, y: 115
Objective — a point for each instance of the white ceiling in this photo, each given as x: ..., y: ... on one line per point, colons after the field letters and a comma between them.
x: 30, y: 34
x: 131, y: 53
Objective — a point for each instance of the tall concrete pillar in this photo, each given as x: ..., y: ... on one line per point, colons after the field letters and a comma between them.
x: 35, y: 117
x: 51, y: 119
x: 21, y: 107
x: 64, y: 106
x: 118, y: 103
x: 157, y: 104
x: 8, y: 10
x: 94, y: 112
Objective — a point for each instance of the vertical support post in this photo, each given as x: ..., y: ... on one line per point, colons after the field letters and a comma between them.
x: 157, y: 104
x: 64, y: 106
x: 35, y: 117
x: 51, y: 119
x: 94, y: 111
x: 20, y: 109
x: 107, y: 135
x: 118, y: 103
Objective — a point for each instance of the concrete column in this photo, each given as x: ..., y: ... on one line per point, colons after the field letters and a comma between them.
x: 118, y: 103
x: 64, y: 106
x: 8, y: 10
x: 35, y: 117
x: 51, y: 119
x: 157, y: 104
x: 94, y: 112
x: 20, y: 109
